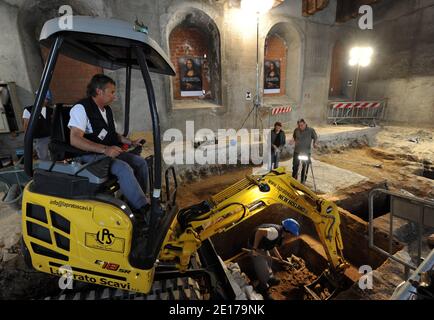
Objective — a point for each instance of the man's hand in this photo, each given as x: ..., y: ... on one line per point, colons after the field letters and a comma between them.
x: 254, y: 253
x: 291, y: 142
x: 138, y: 142
x: 113, y: 151
x: 315, y: 145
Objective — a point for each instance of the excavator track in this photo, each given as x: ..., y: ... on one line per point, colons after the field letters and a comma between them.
x: 168, y: 289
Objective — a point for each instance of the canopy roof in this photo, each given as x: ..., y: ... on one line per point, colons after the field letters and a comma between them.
x: 105, y: 42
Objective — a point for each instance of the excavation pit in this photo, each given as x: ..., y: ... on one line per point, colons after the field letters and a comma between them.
x: 308, y: 265
x: 357, y: 201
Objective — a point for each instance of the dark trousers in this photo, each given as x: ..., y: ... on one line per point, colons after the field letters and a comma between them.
x: 296, y: 165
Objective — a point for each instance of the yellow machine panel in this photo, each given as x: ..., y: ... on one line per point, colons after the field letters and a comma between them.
x: 92, y: 238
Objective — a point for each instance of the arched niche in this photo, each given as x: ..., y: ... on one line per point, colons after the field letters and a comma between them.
x: 336, y: 86
x: 284, y: 44
x: 194, y: 47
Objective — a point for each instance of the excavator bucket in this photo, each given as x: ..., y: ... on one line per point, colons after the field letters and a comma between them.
x: 325, y: 287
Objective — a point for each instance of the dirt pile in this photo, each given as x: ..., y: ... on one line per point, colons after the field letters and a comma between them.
x: 292, y: 282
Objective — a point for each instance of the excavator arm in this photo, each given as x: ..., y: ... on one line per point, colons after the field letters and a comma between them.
x: 241, y: 201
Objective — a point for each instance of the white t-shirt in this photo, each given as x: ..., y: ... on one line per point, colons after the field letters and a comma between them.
x: 272, y: 234
x: 27, y: 114
x: 79, y: 119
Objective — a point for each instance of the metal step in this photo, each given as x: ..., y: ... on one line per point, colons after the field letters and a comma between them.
x: 184, y: 288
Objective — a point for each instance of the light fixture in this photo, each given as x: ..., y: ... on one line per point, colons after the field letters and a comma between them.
x: 303, y: 157
x: 256, y: 6
x: 360, y: 57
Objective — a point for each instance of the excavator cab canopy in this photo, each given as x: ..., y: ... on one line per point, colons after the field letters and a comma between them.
x: 105, y: 43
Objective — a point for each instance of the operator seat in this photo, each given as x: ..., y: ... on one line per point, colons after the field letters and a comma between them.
x: 65, y: 177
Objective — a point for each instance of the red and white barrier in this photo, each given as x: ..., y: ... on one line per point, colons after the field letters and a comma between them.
x: 339, y: 111
x: 278, y: 110
x: 356, y: 105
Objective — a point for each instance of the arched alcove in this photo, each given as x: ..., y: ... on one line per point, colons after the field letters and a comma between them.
x: 283, y: 44
x: 336, y: 72
x: 275, y: 65
x: 194, y: 47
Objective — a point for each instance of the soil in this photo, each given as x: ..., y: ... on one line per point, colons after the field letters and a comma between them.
x: 399, y: 171
x: 399, y: 160
x: 292, y: 282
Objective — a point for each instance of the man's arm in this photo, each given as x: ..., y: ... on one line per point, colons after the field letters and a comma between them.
x: 260, y: 233
x: 129, y: 141
x: 80, y: 142
x: 124, y: 139
x: 283, y: 141
x: 25, y: 124
x: 26, y: 119
x: 277, y: 253
x: 315, y: 138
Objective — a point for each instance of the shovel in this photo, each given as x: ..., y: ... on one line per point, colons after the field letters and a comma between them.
x: 273, y: 258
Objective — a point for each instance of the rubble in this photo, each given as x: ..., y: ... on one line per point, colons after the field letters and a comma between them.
x: 242, y: 280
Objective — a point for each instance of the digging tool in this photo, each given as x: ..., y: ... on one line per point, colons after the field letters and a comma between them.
x: 273, y: 258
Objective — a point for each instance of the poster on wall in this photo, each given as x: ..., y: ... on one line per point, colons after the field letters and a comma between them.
x: 272, y: 76
x: 191, y: 76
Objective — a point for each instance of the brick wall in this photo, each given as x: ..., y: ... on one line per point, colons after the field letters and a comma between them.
x: 70, y: 78
x: 275, y: 49
x: 188, y: 42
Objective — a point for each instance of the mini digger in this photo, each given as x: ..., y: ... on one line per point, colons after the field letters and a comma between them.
x: 74, y: 216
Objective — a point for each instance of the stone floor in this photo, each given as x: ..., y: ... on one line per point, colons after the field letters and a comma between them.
x: 328, y: 178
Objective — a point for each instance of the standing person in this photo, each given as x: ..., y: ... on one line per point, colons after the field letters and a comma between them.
x: 278, y: 140
x: 42, y: 134
x: 93, y: 130
x: 266, y: 238
x: 303, y: 137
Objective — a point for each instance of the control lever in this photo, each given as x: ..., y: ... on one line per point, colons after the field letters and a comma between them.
x: 134, y: 149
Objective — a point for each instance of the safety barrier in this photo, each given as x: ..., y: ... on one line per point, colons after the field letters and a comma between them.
x: 355, y: 111
x: 280, y: 113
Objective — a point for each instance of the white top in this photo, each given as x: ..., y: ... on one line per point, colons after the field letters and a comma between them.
x: 79, y: 119
x: 27, y: 114
x: 272, y: 233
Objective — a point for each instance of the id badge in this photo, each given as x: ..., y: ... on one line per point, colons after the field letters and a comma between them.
x: 102, y: 134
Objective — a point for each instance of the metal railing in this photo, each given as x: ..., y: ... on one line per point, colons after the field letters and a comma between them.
x: 356, y: 111
x: 409, y: 208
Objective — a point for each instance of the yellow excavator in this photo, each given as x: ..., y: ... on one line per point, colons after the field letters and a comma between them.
x: 74, y: 219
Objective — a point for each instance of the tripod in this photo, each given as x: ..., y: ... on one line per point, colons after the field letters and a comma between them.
x: 306, y: 162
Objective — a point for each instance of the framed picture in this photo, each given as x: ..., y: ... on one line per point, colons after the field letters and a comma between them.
x: 191, y: 76
x: 272, y: 76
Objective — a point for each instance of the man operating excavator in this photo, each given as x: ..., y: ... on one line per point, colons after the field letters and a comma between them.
x: 93, y: 129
